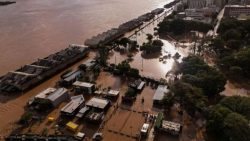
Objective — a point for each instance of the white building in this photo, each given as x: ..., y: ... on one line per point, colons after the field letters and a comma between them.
x: 160, y: 92
x: 84, y: 87
x: 53, y: 95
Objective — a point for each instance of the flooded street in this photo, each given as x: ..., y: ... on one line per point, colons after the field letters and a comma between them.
x: 150, y: 66
x: 32, y: 29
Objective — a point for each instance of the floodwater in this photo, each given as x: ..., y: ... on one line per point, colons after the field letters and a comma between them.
x: 149, y: 65
x: 32, y: 29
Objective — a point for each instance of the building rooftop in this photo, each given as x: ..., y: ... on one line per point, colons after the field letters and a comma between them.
x: 82, y: 111
x: 171, y: 126
x: 83, y: 84
x: 45, y: 93
x: 71, y: 75
x: 75, y: 102
x: 97, y: 103
x: 237, y: 6
x: 160, y: 92
x: 113, y: 93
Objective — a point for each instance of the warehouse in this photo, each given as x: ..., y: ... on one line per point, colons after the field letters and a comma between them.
x: 53, y: 95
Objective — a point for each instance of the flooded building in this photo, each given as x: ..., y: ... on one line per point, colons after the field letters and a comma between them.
x: 98, y: 107
x: 70, y: 77
x: 34, y: 137
x: 160, y: 92
x: 30, y: 75
x: 54, y: 96
x: 73, y: 106
x: 84, y: 87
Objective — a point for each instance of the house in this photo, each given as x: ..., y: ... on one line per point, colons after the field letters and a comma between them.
x: 73, y: 106
x: 85, y: 87
x: 159, y: 94
x: 53, y: 95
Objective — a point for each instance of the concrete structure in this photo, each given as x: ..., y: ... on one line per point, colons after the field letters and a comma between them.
x: 160, y: 93
x: 55, y: 96
x: 73, y: 106
x: 98, y: 103
x: 236, y: 10
x: 83, y: 87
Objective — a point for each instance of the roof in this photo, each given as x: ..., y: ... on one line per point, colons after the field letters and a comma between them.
x: 83, y: 84
x: 171, y: 125
x: 51, y: 93
x: 160, y: 92
x: 75, y: 102
x: 72, y: 75
x: 145, y: 127
x: 72, y: 125
x: 45, y: 93
x: 82, y: 112
x: 113, y: 93
x: 89, y: 63
x: 97, y: 103
x: 58, y: 93
x: 80, y: 135
x: 141, y: 85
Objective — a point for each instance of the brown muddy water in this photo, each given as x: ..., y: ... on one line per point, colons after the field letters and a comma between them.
x: 32, y: 29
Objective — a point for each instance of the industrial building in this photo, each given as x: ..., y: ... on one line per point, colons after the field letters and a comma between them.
x: 53, y: 95
x: 73, y: 106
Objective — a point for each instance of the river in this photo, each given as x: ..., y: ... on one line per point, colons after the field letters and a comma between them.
x: 32, y: 29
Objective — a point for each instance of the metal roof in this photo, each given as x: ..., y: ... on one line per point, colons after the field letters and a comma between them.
x: 160, y: 92
x: 75, y: 102
x: 83, y: 84
x: 97, y: 103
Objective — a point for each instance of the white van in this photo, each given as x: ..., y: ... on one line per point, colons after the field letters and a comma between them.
x: 144, y: 129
